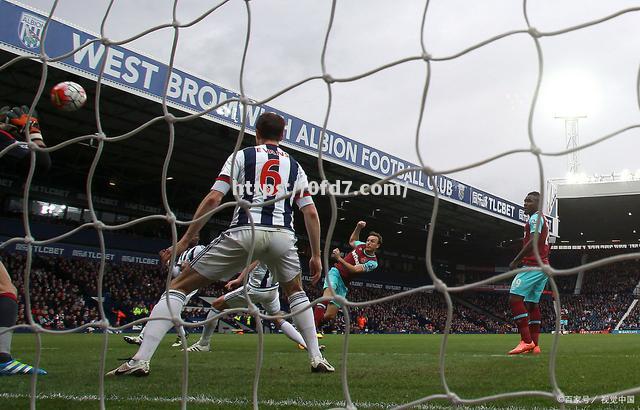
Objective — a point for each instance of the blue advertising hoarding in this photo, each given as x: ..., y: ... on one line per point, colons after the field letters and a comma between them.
x: 65, y: 250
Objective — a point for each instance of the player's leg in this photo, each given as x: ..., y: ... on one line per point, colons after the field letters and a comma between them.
x: 282, y: 259
x: 533, y: 307
x: 271, y: 302
x: 169, y: 305
x: 535, y: 321
x: 218, y: 305
x: 520, y: 288
x: 178, y: 342
x: 326, y: 312
x: 303, y: 319
x: 222, y: 260
x: 8, y: 318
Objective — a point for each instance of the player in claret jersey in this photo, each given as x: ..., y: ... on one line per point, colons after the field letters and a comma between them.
x: 362, y: 258
x: 527, y: 287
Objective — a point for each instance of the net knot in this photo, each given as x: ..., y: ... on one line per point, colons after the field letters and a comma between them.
x: 253, y: 310
x: 170, y: 118
x: 99, y: 225
x: 534, y: 32
x: 175, y: 24
x: 328, y: 79
x: 243, y: 203
x: 28, y: 239
x: 37, y: 328
x: 535, y: 150
x: 426, y: 56
x: 102, y: 323
x: 171, y: 217
x: 440, y: 286
x: 455, y: 399
x: 105, y: 41
x: 245, y: 100
x: 100, y: 136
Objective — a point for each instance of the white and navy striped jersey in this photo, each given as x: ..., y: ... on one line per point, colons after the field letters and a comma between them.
x: 261, y: 278
x: 186, y: 256
x: 260, y: 174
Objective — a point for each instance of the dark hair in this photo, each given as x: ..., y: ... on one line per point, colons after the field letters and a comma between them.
x: 377, y: 235
x: 534, y: 193
x: 270, y: 126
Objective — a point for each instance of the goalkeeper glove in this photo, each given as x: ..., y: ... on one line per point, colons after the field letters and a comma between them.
x: 17, y: 117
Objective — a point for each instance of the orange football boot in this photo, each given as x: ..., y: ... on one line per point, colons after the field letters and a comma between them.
x: 523, y: 347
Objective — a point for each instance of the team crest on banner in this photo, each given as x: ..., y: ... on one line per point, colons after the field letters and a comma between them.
x: 30, y: 30
x: 461, y: 189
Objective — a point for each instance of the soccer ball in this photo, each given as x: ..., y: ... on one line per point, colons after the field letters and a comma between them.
x: 68, y: 96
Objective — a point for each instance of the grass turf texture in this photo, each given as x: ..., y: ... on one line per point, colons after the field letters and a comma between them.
x: 383, y: 370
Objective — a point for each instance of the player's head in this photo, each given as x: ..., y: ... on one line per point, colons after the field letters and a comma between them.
x: 269, y: 127
x: 374, y: 242
x: 532, y: 202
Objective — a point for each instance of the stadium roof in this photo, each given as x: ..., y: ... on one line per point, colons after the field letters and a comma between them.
x: 600, y: 211
x: 131, y: 168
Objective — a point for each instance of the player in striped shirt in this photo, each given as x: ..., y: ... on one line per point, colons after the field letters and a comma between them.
x: 262, y: 289
x: 269, y: 181
x: 362, y: 258
x: 527, y: 287
x: 181, y: 262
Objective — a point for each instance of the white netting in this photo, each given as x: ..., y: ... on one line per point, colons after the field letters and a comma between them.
x: 100, y: 138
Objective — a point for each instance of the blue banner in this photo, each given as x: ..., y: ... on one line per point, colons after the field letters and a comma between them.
x: 84, y: 252
x: 20, y: 33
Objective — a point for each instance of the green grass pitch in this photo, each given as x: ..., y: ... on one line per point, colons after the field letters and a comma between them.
x: 383, y: 370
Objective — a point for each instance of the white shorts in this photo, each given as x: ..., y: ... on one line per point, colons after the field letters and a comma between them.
x: 227, y: 254
x: 269, y: 299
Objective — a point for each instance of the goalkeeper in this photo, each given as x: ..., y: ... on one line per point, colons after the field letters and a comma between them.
x: 15, y: 155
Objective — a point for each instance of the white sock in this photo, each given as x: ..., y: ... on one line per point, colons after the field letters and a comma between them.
x: 156, y: 329
x: 141, y: 335
x: 209, y: 328
x: 292, y: 333
x: 304, y: 322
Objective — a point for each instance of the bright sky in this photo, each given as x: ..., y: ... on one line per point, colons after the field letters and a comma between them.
x: 477, y: 105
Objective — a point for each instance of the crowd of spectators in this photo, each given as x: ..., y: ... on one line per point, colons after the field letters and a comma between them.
x: 63, y: 294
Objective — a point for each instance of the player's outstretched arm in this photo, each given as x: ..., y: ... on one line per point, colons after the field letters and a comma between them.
x: 312, y: 223
x: 209, y: 203
x: 355, y: 235
x: 237, y: 282
x: 15, y: 122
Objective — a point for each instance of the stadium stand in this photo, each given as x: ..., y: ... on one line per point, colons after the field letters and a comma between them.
x: 63, y: 296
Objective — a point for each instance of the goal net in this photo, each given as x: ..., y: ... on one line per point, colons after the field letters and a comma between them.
x: 105, y: 55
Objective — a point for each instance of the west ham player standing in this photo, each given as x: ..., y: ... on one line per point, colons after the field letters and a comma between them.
x: 262, y: 288
x: 527, y: 287
x: 362, y: 258
x: 13, y: 127
x: 266, y: 173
